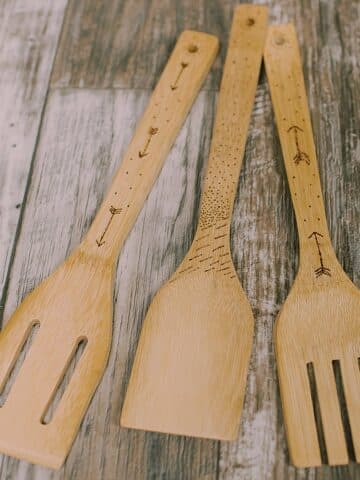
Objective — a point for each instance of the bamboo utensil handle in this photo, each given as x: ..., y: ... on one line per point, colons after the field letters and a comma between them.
x: 170, y: 102
x: 233, y: 116
x: 210, y: 250
x: 284, y: 70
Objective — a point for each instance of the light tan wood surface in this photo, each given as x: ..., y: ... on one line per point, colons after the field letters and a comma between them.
x: 320, y: 320
x: 74, y: 305
x: 189, y: 372
x: 109, y: 59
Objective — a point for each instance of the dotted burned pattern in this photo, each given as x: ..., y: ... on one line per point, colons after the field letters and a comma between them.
x: 220, y: 185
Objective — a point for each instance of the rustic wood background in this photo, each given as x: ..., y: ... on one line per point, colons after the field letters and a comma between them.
x: 75, y: 77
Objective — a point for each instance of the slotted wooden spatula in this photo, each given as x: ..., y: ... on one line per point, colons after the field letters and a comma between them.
x: 189, y: 373
x: 74, y: 304
x: 319, y: 324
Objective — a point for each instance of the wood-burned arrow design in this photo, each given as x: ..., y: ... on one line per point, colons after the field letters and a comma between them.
x: 114, y: 211
x: 322, y: 270
x: 174, y: 86
x: 152, y: 131
x: 300, y: 156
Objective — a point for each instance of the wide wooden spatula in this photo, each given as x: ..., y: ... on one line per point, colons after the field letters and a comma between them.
x: 74, y: 305
x: 189, y: 373
x: 318, y: 328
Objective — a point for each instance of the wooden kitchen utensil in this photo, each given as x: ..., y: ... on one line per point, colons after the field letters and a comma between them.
x: 74, y: 305
x: 318, y: 328
x: 189, y: 373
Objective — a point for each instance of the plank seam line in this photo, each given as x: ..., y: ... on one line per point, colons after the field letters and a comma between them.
x: 13, y: 248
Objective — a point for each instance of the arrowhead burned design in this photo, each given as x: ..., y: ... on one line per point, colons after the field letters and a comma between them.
x: 114, y: 211
x: 144, y: 152
x: 321, y: 270
x: 174, y: 86
x: 300, y: 156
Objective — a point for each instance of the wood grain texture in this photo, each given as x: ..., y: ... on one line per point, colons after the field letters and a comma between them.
x: 264, y: 240
x: 29, y: 35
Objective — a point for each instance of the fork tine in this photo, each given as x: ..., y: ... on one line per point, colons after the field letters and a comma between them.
x: 351, y: 381
x: 330, y: 413
x: 298, y: 414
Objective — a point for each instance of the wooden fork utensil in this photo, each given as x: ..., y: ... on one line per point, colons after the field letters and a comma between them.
x: 318, y: 328
x: 74, y: 304
x: 189, y: 373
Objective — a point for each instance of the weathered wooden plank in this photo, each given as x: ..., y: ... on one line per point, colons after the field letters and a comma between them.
x: 95, y: 52
x: 29, y: 35
x: 125, y: 44
x: 83, y: 136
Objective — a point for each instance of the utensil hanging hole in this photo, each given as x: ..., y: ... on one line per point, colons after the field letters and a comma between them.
x: 279, y: 40
x: 64, y: 381
x: 192, y: 48
x: 18, y: 361
x: 343, y: 409
x: 317, y: 413
x: 250, y: 22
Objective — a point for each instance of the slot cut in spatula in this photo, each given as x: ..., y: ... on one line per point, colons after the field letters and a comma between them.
x: 318, y: 328
x: 74, y: 304
x: 189, y: 372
